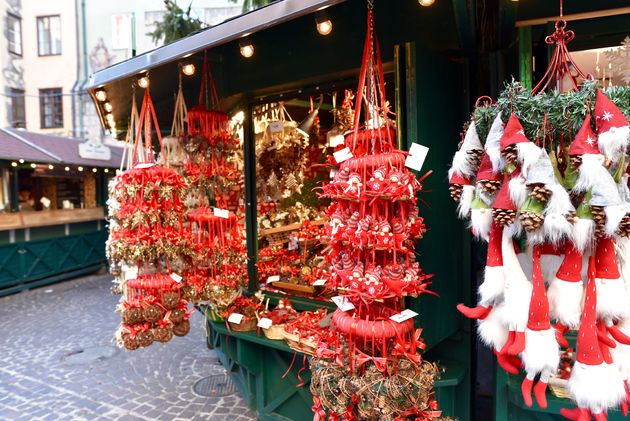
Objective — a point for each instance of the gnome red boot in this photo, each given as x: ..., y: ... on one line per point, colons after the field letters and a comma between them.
x: 518, y: 345
x: 560, y: 331
x: 508, y: 343
x: 480, y: 312
x: 618, y: 335
x: 509, y: 363
x: 526, y: 390
x: 576, y: 414
x: 540, y: 392
x: 600, y: 417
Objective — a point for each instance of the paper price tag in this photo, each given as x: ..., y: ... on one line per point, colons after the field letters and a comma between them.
x: 319, y: 282
x: 335, y: 139
x: 264, y: 323
x: 416, y: 157
x: 131, y: 273
x: 275, y: 126
x: 235, y: 318
x: 221, y: 213
x: 342, y: 303
x: 176, y: 277
x: 342, y: 155
x: 404, y: 315
x: 274, y: 278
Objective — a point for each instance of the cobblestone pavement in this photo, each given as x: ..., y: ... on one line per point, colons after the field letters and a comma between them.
x: 42, y: 377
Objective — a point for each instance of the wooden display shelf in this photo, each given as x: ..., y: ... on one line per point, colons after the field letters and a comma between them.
x: 291, y: 227
x: 29, y: 219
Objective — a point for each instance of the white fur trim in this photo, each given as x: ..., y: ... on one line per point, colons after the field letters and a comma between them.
x: 565, y: 301
x: 493, y: 285
x: 623, y: 257
x: 591, y: 170
x: 621, y: 353
x: 493, y: 144
x: 559, y: 202
x: 536, y: 237
x: 614, y: 215
x: 583, y: 233
x: 556, y: 228
x: 518, y: 190
x: 612, y: 302
x: 463, y: 207
x: 596, y: 387
x: 518, y: 289
x: 528, y: 153
x: 481, y: 222
x: 613, y: 142
x: 541, y: 351
x: 492, y: 331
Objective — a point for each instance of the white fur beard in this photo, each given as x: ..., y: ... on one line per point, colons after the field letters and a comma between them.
x: 518, y: 191
x: 492, y: 331
x: 463, y: 207
x: 596, y: 387
x: 541, y: 351
x: 583, y: 234
x: 517, y: 296
x: 614, y: 215
x: 493, y: 285
x: 612, y: 301
x: 550, y: 264
x: 621, y: 353
x: 481, y: 222
x: 486, y: 198
x: 527, y: 153
x: 462, y: 165
x: 515, y: 229
x: 611, y: 144
x: 559, y: 202
x: 623, y: 257
x: 556, y: 228
x: 536, y: 237
x: 591, y: 170
x: 565, y: 302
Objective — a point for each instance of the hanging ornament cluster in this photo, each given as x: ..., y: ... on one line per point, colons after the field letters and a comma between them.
x: 369, y: 366
x: 148, y: 239
x: 550, y: 168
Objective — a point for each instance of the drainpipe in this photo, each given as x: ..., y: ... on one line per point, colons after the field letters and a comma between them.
x: 84, y: 60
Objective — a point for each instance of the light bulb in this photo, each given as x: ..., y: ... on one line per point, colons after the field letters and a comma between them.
x: 67, y: 168
x: 101, y: 95
x: 110, y: 119
x: 426, y: 3
x: 324, y: 25
x: 143, y: 82
x: 33, y: 165
x: 247, y: 49
x: 188, y: 69
x: 80, y: 168
x: 14, y: 164
x: 21, y: 161
x: 106, y: 170
x: 51, y: 167
x: 94, y: 170
x: 108, y: 107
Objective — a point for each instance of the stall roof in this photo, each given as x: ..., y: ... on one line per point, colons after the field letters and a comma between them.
x: 230, y: 30
x: 44, y: 148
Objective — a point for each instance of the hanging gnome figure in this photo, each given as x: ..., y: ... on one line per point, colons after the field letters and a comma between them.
x: 493, y: 144
x: 503, y: 207
x: 541, y: 354
x: 463, y: 169
x: 516, y: 149
x: 488, y: 183
x: 621, y: 353
x: 594, y: 385
x: 531, y: 214
x: 613, y: 130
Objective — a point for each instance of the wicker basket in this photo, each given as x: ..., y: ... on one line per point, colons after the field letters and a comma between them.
x: 300, y: 344
x: 559, y: 387
x: 248, y: 324
x: 275, y: 332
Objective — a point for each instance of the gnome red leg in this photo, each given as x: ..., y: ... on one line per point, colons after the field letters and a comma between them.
x: 566, y: 290
x: 494, y: 333
x: 526, y: 390
x: 561, y: 330
x: 576, y: 414
x: 540, y: 390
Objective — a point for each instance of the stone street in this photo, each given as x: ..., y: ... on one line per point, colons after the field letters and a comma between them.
x: 59, y: 362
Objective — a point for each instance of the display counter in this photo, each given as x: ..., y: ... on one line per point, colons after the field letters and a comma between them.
x: 28, y: 219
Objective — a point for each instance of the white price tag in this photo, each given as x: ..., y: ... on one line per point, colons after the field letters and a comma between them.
x: 335, y: 139
x: 416, y: 157
x: 264, y: 323
x: 235, y: 318
x: 276, y: 126
x: 176, y: 277
x: 145, y: 165
x: 404, y: 315
x: 343, y: 303
x: 342, y: 155
x: 274, y: 278
x: 319, y: 282
x: 221, y: 213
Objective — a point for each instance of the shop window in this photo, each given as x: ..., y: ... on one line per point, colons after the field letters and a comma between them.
x: 70, y: 193
x: 18, y: 108
x: 49, y: 35
x: 610, y: 65
x: 14, y: 34
x: 51, y: 108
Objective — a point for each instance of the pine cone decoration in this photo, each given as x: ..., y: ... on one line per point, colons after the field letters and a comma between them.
x: 531, y: 221
x: 489, y: 186
x: 129, y: 342
x: 599, y: 231
x: 182, y: 328
x: 474, y: 156
x: 539, y: 191
x: 571, y: 217
x: 456, y: 191
x: 177, y: 316
x: 509, y: 154
x: 575, y: 161
x: 144, y: 338
x: 624, y: 227
x: 152, y: 313
x: 504, y: 217
x: 132, y: 315
x: 599, y: 216
x: 170, y: 300
x: 162, y: 334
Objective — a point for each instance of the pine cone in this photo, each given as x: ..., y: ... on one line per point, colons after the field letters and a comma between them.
x: 504, y: 217
x: 599, y: 231
x: 162, y: 334
x: 571, y: 217
x: 509, y: 154
x: 129, y: 342
x: 177, y: 316
x: 624, y: 227
x: 456, y: 191
x: 531, y: 221
x: 170, y: 300
x: 474, y: 156
x: 539, y: 191
x: 599, y: 216
x: 144, y: 338
x: 132, y: 315
x: 575, y: 161
x: 489, y: 186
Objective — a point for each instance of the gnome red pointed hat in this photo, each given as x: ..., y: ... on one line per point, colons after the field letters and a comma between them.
x: 513, y: 133
x: 538, y: 304
x: 588, y: 351
x: 585, y: 141
x: 607, y: 114
x: 570, y: 269
x: 494, y: 257
x: 485, y: 170
x: 503, y: 200
x: 606, y: 260
x: 459, y: 179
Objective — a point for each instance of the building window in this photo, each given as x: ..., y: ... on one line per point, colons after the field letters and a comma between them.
x: 18, y: 109
x: 50, y: 108
x: 14, y: 34
x: 150, y: 21
x: 49, y: 35
x: 121, y: 31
